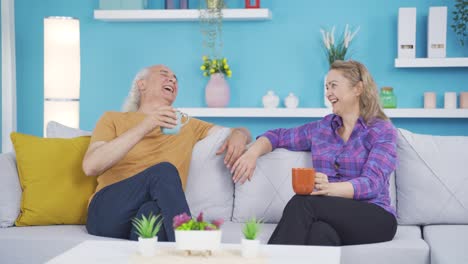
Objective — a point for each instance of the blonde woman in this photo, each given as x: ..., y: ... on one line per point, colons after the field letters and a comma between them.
x: 353, y: 151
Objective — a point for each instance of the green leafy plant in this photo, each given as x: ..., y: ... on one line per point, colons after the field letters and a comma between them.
x: 147, y: 227
x: 212, y: 66
x: 252, y: 228
x: 337, y: 50
x: 211, y: 22
x: 185, y: 222
x: 460, y: 19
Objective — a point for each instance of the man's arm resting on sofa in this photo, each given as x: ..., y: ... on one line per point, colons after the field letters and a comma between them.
x: 235, y: 144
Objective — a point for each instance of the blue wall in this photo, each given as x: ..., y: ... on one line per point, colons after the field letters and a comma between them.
x: 283, y: 54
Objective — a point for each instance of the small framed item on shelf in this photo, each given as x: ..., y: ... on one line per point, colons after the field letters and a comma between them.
x: 248, y: 4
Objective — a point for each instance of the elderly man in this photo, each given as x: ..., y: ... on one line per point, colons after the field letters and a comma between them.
x: 140, y: 169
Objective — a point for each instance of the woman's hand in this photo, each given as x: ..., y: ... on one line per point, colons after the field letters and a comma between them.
x: 244, y: 167
x: 322, y: 186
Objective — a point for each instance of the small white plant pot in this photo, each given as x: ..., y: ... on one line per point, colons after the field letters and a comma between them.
x: 197, y: 240
x: 147, y: 246
x: 250, y: 248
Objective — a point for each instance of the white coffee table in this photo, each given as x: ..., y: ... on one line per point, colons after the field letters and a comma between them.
x: 117, y: 252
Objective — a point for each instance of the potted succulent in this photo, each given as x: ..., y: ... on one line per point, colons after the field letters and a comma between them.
x: 250, y: 244
x: 147, y: 230
x: 196, y: 234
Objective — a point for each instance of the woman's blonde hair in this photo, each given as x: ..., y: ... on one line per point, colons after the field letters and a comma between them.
x: 369, y: 103
x: 132, y: 102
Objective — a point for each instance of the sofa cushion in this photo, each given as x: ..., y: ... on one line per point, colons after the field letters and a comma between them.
x: 266, y: 195
x: 431, y: 180
x: 447, y: 243
x: 209, y: 184
x: 38, y: 244
x: 406, y: 247
x: 10, y: 190
x: 55, y: 189
x: 57, y: 130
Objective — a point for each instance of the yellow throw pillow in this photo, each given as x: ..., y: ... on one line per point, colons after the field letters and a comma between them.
x: 55, y: 188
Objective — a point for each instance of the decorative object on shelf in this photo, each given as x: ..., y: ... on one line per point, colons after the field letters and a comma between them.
x: 336, y: 50
x: 248, y: 4
x: 291, y: 101
x: 147, y: 230
x: 437, y: 32
x: 450, y: 100
x: 212, y: 66
x: 196, y: 234
x: 250, y: 244
x: 407, y: 33
x: 217, y: 92
x: 388, y: 98
x: 122, y: 4
x: 460, y: 20
x: 270, y: 100
x: 430, y: 100
x: 211, y: 22
x: 169, y: 4
x: 464, y: 100
x: 184, y: 4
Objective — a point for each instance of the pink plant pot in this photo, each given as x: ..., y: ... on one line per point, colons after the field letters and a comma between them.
x: 217, y: 91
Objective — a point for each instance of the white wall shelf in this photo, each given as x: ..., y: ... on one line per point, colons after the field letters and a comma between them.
x: 319, y: 112
x: 173, y: 15
x: 431, y: 62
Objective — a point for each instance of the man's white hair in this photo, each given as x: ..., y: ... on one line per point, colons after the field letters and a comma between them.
x: 132, y: 102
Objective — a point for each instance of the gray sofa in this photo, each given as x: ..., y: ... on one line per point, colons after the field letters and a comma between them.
x: 428, y: 190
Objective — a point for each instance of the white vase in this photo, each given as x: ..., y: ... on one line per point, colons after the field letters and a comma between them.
x: 270, y: 100
x: 217, y: 91
x: 250, y: 248
x: 198, y: 240
x: 291, y: 101
x: 147, y: 246
x: 325, y: 99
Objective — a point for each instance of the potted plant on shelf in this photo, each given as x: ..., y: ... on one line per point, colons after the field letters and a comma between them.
x: 196, y: 234
x: 336, y: 50
x: 460, y: 20
x: 250, y: 244
x: 211, y: 22
x: 147, y: 230
x: 217, y: 89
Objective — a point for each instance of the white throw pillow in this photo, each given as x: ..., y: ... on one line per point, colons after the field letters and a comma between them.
x: 210, y: 188
x: 10, y: 190
x: 57, y: 130
x: 271, y: 187
x: 431, y: 179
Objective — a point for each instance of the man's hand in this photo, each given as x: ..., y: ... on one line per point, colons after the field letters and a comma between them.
x: 164, y: 116
x: 244, y: 167
x: 234, y: 146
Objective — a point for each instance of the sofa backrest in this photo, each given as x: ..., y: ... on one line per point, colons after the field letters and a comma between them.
x: 431, y: 179
x: 210, y: 188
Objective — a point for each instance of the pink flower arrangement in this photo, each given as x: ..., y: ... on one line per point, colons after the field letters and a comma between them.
x: 185, y: 222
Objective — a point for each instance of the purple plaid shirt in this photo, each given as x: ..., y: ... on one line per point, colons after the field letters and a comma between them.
x: 366, y: 160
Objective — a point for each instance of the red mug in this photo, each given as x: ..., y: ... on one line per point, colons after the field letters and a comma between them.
x: 303, y: 180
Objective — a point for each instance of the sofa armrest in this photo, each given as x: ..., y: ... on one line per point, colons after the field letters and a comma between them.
x: 10, y: 190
